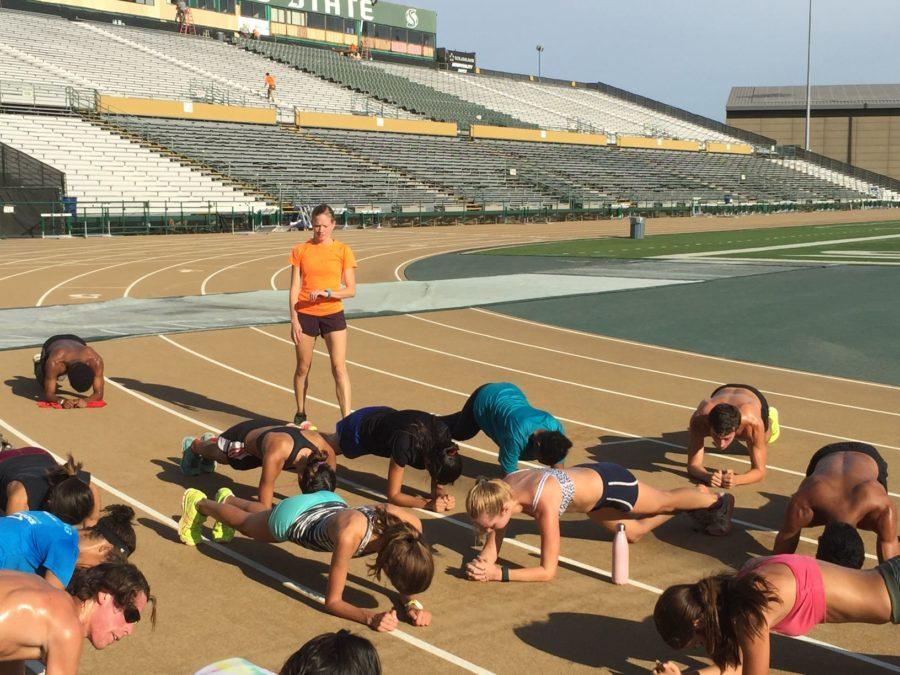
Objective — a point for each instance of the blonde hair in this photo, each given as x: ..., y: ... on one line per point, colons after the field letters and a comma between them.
x: 488, y: 497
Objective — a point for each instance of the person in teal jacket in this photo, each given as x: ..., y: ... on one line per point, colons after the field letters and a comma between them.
x: 520, y: 430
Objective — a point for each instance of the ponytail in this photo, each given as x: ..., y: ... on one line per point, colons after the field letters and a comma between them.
x: 317, y: 475
x: 404, y: 556
x: 116, y: 528
x: 717, y: 612
x: 69, y: 498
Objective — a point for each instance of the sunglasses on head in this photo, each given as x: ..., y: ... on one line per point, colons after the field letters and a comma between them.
x: 132, y: 614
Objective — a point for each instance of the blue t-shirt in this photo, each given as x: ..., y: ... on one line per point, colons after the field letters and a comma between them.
x: 36, y: 541
x: 504, y: 414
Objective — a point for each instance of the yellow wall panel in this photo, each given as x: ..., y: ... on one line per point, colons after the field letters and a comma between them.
x: 146, y: 107
x: 656, y: 143
x: 385, y: 124
x: 733, y: 148
x: 535, y: 135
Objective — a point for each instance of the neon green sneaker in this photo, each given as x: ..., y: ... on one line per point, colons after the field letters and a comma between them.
x: 773, y: 425
x: 222, y: 532
x: 191, y: 519
x: 207, y: 465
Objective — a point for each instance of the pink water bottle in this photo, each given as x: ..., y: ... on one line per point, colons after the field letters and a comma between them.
x: 620, y: 556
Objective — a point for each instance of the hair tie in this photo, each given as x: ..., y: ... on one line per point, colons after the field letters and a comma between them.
x: 452, y: 451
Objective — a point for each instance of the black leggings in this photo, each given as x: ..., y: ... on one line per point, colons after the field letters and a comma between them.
x: 463, y: 424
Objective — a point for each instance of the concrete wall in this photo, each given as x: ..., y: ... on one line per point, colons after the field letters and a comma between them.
x: 867, y: 140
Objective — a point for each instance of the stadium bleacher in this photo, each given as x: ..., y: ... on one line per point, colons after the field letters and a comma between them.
x: 365, y: 77
x: 293, y: 163
x: 363, y: 169
x: 47, y: 62
x: 100, y: 166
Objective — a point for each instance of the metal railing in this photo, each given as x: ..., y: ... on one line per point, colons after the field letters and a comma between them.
x: 20, y: 170
x: 796, y: 152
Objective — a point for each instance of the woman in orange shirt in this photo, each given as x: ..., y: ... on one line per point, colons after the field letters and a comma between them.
x: 322, y: 274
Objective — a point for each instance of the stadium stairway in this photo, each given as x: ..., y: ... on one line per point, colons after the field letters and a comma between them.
x: 230, y: 84
x: 381, y: 84
x: 104, y: 168
x: 133, y: 134
x: 17, y: 65
x: 443, y: 195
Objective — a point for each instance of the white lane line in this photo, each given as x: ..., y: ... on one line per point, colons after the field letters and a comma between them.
x: 220, y: 254
x: 78, y: 276
x: 595, y: 336
x: 755, y: 526
x: 603, y: 390
x: 779, y: 247
x: 698, y: 355
x: 511, y: 541
x: 531, y: 345
x: 272, y: 574
x: 588, y: 425
x: 275, y: 274
x: 237, y: 264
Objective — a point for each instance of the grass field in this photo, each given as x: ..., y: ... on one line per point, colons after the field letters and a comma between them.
x: 871, y: 242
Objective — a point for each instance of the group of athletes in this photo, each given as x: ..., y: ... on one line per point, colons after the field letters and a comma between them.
x: 54, y: 526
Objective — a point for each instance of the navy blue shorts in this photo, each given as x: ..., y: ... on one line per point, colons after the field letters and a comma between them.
x: 620, y: 487
x: 348, y: 431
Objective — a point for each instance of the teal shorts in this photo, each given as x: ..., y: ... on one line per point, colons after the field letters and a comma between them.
x: 890, y: 572
x: 286, y: 513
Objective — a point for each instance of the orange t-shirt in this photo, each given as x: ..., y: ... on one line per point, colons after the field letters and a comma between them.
x: 321, y: 266
x: 270, y: 81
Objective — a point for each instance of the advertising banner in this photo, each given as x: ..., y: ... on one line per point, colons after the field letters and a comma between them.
x: 385, y: 13
x: 462, y: 62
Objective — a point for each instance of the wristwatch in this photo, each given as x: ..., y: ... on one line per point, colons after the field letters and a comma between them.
x: 414, y: 604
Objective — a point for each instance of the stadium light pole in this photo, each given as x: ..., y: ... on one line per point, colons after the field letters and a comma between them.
x: 808, y: 90
x: 540, y: 50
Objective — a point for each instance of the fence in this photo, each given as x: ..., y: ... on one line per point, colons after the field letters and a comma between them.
x: 59, y: 219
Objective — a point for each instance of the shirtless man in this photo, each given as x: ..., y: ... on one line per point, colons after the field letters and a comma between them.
x: 845, y: 488
x: 38, y: 621
x: 69, y: 355
x: 733, y: 411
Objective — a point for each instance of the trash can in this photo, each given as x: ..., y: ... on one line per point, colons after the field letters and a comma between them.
x: 637, y: 227
x: 220, y: 36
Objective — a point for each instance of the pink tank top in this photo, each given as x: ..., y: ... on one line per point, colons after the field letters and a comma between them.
x: 809, y: 605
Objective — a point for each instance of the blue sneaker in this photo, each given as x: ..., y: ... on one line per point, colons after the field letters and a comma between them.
x: 190, y: 462
x: 207, y: 465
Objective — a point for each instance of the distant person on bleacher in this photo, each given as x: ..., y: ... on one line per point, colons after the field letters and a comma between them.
x: 323, y: 272
x: 269, y: 80
x: 180, y: 11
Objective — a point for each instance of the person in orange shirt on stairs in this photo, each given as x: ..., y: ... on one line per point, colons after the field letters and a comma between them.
x: 322, y: 274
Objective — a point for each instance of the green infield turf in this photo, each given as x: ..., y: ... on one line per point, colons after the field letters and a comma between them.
x: 733, y: 243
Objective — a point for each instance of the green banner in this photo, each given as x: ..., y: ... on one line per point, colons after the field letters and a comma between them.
x: 403, y: 16
x: 385, y: 13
